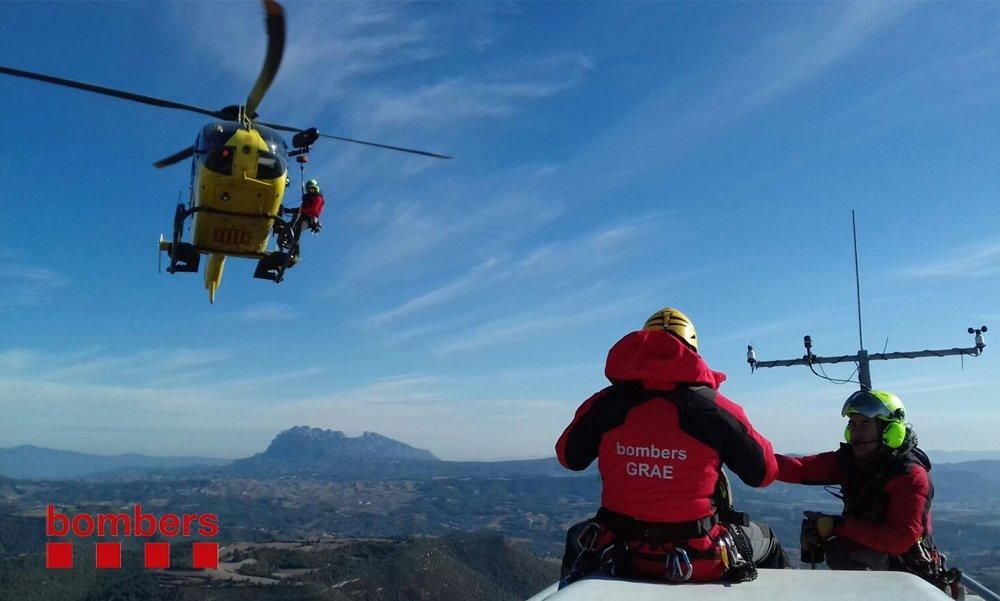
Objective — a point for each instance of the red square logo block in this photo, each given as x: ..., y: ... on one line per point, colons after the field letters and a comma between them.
x: 59, y: 556
x: 109, y: 555
x: 205, y: 556
x: 157, y: 556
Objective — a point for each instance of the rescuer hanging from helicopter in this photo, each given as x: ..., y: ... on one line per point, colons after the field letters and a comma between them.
x: 312, y: 207
x: 305, y: 216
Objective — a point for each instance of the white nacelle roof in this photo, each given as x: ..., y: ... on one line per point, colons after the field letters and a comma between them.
x: 770, y: 585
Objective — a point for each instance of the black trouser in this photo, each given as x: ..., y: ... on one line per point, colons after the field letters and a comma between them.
x: 767, y: 550
x: 845, y: 554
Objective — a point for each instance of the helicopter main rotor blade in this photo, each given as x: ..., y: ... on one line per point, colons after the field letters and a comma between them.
x: 343, y: 139
x: 79, y: 85
x: 174, y: 158
x: 399, y: 148
x: 275, y: 24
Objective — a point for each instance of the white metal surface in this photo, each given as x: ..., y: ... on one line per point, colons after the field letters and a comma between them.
x: 771, y: 585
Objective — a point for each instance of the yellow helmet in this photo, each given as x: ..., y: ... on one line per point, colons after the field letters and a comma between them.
x: 671, y: 320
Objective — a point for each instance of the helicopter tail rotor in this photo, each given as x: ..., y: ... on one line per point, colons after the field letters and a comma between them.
x: 272, y: 60
x: 163, y: 245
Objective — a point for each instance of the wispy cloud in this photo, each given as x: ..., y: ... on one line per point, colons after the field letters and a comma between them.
x: 28, y: 285
x: 321, y: 53
x: 971, y: 262
x: 644, y: 140
x: 807, y: 52
x: 268, y: 312
x: 461, y: 98
x: 449, y: 292
x: 423, y: 236
x: 787, y: 322
x: 98, y: 366
x: 336, y: 60
x: 514, y: 328
x: 544, y: 269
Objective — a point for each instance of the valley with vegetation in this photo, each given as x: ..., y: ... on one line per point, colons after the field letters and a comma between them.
x: 319, y: 515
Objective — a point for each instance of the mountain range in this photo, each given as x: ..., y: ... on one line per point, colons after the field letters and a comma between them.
x: 39, y: 463
x: 331, y: 454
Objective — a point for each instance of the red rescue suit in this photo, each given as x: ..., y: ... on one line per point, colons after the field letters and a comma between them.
x: 886, y: 507
x: 661, y: 432
x: 312, y: 205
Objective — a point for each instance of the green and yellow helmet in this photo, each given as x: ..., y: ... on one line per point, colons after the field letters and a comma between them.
x: 672, y: 320
x: 883, y: 406
x: 312, y: 184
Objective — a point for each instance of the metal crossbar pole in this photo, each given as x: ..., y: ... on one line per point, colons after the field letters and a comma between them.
x: 862, y: 358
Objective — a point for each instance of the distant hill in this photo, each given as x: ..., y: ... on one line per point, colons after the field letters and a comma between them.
x: 969, y: 481
x: 37, y: 463
x: 314, y: 452
x: 300, y: 451
x: 305, y: 450
x: 303, y: 444
x: 962, y: 456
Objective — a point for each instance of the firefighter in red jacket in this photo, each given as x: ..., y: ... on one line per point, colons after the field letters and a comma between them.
x: 312, y: 205
x: 306, y: 216
x: 661, y: 433
x: 886, y: 489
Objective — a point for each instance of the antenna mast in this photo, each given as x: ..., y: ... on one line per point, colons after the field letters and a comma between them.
x: 862, y: 358
x: 857, y: 279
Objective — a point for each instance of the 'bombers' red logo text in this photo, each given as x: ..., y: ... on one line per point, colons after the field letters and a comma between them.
x: 137, y: 524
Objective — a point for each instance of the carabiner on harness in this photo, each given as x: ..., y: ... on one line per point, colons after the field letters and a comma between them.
x: 736, y: 556
x: 589, y: 533
x: 679, y: 567
x: 590, y: 557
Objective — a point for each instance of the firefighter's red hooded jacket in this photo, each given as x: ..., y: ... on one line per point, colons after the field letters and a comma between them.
x: 661, y: 431
x: 312, y: 205
x: 887, y: 507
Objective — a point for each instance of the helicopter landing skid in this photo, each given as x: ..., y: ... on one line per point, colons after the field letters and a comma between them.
x: 273, y: 266
x: 184, y: 257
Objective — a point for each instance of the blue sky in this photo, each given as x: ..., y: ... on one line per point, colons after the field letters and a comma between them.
x: 611, y: 158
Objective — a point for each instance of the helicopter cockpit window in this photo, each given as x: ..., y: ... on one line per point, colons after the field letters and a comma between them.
x: 220, y: 160
x: 268, y: 166
x: 214, y: 136
x: 212, y: 149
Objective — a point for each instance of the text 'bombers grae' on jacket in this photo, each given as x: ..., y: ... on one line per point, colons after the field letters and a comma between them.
x: 886, y: 504
x: 660, y: 432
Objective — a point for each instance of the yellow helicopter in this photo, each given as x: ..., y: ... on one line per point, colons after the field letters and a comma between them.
x: 238, y: 176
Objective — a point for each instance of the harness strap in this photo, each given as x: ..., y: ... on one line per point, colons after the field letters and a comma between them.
x: 626, y: 527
